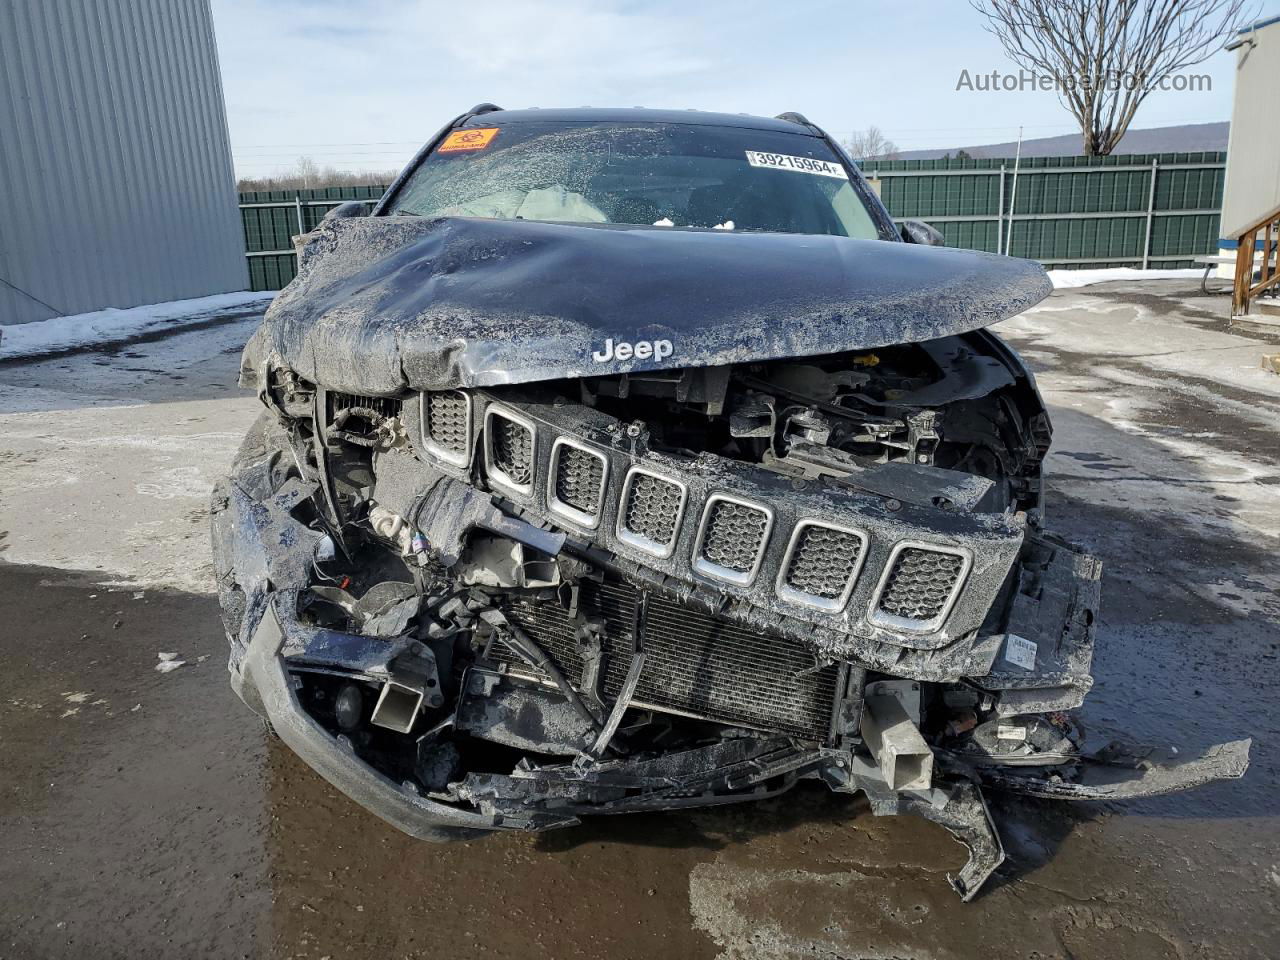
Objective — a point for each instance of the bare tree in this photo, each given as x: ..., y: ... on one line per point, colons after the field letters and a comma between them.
x: 870, y: 144
x: 307, y: 171
x: 1106, y: 56
x: 313, y: 177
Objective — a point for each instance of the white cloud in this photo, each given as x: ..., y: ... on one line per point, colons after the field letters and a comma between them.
x: 364, y: 82
x: 294, y: 77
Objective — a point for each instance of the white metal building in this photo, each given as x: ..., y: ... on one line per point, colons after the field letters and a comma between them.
x: 1253, y: 154
x: 116, y: 182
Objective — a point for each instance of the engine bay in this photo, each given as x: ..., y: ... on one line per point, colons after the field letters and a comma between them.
x: 518, y: 606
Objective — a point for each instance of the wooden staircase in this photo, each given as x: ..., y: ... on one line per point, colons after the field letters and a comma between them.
x: 1245, y: 291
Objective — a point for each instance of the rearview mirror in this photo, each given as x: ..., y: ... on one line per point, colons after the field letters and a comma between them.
x: 917, y: 231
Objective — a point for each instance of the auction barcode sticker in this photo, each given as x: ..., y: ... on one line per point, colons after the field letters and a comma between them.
x: 783, y: 161
x: 1020, y: 651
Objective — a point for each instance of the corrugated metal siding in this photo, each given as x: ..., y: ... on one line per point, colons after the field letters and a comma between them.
x: 115, y: 166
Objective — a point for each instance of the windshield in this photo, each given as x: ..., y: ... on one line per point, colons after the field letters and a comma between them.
x: 657, y: 174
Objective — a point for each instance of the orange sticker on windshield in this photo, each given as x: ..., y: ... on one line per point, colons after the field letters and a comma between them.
x: 467, y: 140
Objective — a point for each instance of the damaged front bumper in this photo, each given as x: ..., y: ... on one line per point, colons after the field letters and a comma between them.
x: 264, y: 681
x: 515, y: 739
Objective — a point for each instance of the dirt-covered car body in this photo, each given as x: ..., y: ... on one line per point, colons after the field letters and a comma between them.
x: 658, y: 499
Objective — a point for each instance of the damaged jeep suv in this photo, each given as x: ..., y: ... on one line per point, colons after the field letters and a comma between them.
x: 635, y: 460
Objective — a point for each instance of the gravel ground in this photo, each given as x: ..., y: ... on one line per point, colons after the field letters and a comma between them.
x: 145, y: 814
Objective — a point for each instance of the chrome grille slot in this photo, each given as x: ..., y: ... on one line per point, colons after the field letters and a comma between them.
x: 734, y: 535
x: 513, y: 450
x: 821, y: 565
x: 921, y: 584
x: 577, y: 482
x: 732, y: 539
x: 579, y: 476
x: 446, y: 425
x: 695, y: 664
x: 816, y: 561
x: 509, y: 449
x: 651, y: 512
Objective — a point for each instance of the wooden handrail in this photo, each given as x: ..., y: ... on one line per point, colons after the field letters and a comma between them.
x: 1244, y: 289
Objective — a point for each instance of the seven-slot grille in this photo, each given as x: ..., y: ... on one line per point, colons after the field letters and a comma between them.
x: 511, y: 449
x: 579, y: 479
x: 733, y: 539
x: 920, y: 584
x: 823, y: 562
x: 695, y: 664
x: 652, y: 509
x: 447, y: 422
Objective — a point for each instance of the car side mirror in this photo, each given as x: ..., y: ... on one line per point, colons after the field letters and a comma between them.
x: 351, y: 208
x: 917, y: 231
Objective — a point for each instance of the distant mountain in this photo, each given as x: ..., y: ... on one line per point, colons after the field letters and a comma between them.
x: 1188, y: 138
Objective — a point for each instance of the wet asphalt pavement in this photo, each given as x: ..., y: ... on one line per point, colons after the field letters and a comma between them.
x: 146, y: 814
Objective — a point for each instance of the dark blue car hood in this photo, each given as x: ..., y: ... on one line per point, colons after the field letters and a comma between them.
x: 381, y: 304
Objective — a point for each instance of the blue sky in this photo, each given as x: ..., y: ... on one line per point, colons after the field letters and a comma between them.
x: 359, y: 84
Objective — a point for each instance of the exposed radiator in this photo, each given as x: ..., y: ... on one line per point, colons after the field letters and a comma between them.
x: 386, y: 406
x: 695, y: 664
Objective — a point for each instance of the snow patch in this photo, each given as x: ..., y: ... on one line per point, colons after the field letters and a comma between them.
x: 168, y: 662
x: 112, y: 325
x: 1064, y: 279
x: 726, y: 903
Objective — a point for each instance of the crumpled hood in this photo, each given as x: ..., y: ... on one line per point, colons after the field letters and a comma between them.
x: 381, y: 304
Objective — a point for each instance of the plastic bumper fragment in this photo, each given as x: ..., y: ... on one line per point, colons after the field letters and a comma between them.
x: 1125, y: 772
x: 264, y: 683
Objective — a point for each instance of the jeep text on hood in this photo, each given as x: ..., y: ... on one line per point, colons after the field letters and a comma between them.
x: 657, y: 476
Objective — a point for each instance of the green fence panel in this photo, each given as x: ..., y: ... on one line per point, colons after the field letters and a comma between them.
x: 971, y: 234
x: 1184, y: 237
x: 1062, y: 205
x: 271, y: 221
x: 1190, y: 189
x: 272, y: 272
x: 1092, y: 240
x: 1072, y: 211
x: 337, y: 194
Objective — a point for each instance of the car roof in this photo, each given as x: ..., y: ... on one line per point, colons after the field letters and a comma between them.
x: 635, y: 115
